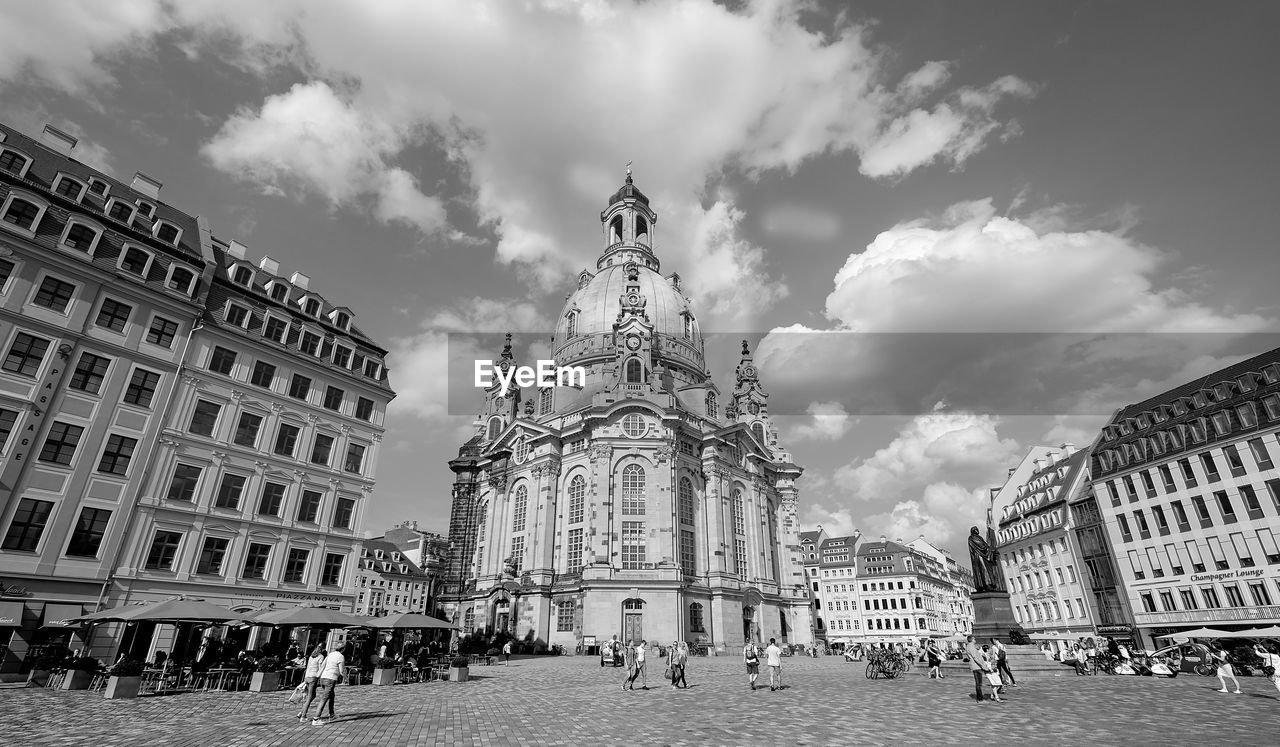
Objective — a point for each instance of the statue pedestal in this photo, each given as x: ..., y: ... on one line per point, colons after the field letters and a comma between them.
x: 992, y: 616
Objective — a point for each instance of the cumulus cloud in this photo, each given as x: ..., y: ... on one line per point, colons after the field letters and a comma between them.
x: 829, y: 423
x: 433, y: 368
x: 835, y: 522
x: 313, y: 139
x: 541, y: 103
x: 928, y: 446
x: 942, y: 515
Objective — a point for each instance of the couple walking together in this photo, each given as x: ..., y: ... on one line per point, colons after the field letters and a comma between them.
x: 988, y: 664
x: 773, y: 658
x: 324, y: 670
x: 677, y: 659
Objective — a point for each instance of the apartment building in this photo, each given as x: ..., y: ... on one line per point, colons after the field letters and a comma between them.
x: 101, y: 284
x: 837, y: 568
x: 1189, y: 494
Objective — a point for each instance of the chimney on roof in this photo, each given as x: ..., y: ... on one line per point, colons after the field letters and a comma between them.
x: 884, y: 538
x: 146, y: 185
x: 57, y: 140
x: 236, y: 249
x: 298, y: 280
x: 1012, y: 470
x: 269, y: 265
x: 1069, y: 448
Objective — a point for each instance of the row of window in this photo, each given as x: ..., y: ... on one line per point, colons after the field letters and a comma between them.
x: 63, y: 440
x: 25, y: 211
x: 32, y: 516
x: 1194, y: 431
x: 272, y: 500
x: 1160, y: 561
x: 1258, y: 596
x: 1025, y: 554
x: 243, y: 274
x: 1219, y: 392
x: 263, y: 374
x: 1050, y: 611
x: 1036, y: 580
x: 1204, y: 516
x: 165, y: 545
x: 1257, y: 448
x: 204, y: 421
x: 277, y: 329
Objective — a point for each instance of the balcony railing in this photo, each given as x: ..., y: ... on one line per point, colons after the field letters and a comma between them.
x: 1200, y: 617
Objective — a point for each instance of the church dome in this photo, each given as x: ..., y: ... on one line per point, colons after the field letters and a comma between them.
x: 594, y: 307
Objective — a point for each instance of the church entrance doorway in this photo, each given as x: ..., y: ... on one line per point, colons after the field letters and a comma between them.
x: 633, y: 620
x: 749, y: 624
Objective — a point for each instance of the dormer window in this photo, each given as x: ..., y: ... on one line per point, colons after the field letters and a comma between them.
x: 97, y: 187
x: 23, y: 213
x: 341, y: 319
x: 237, y: 315
x: 275, y: 329
x: 241, y: 275
x: 146, y: 209
x: 342, y: 356
x: 372, y: 369
x: 81, y: 236
x: 278, y: 291
x: 14, y: 162
x: 118, y: 209
x: 310, y: 343
x: 378, y: 554
x: 395, y: 556
x: 180, y: 279
x: 571, y: 327
x: 688, y: 325
x: 166, y: 232
x: 72, y: 189
x: 134, y: 260
x: 1271, y: 374
x: 311, y: 307
x: 712, y: 408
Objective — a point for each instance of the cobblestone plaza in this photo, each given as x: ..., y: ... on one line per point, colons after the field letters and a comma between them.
x: 572, y: 700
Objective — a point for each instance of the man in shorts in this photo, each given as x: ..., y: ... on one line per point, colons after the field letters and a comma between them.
x: 773, y: 657
x: 751, y: 655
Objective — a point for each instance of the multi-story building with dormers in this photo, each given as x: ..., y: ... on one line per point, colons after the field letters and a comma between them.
x: 809, y: 544
x: 950, y: 585
x: 904, y: 593
x: 838, y: 589
x: 1188, y: 490
x: 101, y: 283
x: 388, y: 581
x: 173, y: 419
x: 644, y: 503
x: 266, y: 459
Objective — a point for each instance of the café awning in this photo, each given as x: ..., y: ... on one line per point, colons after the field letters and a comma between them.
x: 406, y: 620
x: 11, y: 614
x: 63, y: 615
x: 1197, y: 633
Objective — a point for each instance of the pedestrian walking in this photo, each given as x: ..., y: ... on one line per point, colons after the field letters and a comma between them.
x: 1270, y: 655
x: 506, y: 652
x: 993, y: 676
x: 935, y: 660
x: 751, y: 655
x: 629, y: 658
x: 1225, y: 670
x: 675, y: 666
x: 977, y: 666
x: 683, y: 659
x: 1002, y: 663
x: 644, y: 676
x: 773, y: 657
x: 330, y: 673
x: 315, y: 662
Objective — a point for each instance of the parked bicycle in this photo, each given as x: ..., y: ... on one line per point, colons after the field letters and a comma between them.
x: 885, y: 663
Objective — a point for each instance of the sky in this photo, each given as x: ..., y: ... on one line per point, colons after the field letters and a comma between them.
x: 951, y: 231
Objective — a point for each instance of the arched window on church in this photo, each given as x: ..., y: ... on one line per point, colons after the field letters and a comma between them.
x: 577, y: 499
x: 469, y: 622
x: 688, y: 326
x: 758, y: 429
x: 713, y: 411
x: 615, y: 230
x: 739, y: 513
x: 633, y: 490
x: 544, y: 401
x: 495, y: 427
x: 520, y: 509
x: 642, y: 231
x: 686, y: 501
x: 571, y: 326
x: 633, y: 604
x: 695, y: 618
x: 635, y: 371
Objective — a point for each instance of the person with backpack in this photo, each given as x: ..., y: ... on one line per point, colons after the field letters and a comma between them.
x: 1002, y: 663
x: 1270, y: 655
x: 751, y: 655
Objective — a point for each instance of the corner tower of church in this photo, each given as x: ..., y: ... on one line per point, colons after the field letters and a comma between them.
x: 642, y: 503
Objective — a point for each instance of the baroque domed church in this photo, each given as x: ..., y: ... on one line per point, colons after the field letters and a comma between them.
x: 645, y: 502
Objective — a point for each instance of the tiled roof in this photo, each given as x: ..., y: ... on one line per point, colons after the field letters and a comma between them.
x: 379, y: 543
x: 1230, y: 373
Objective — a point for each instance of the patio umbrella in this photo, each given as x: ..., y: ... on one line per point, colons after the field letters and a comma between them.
x: 169, y: 611
x: 1197, y: 633
x: 406, y: 620
x: 1255, y: 633
x: 1271, y: 632
x: 310, y: 617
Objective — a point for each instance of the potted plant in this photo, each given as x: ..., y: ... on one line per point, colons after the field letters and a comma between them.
x: 384, y: 671
x: 266, y: 675
x: 125, y: 680
x: 80, y: 672
x: 458, y: 669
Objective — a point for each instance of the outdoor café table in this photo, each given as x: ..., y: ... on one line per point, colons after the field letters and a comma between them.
x: 152, y: 680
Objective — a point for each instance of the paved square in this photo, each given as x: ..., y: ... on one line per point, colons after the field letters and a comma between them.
x: 573, y: 701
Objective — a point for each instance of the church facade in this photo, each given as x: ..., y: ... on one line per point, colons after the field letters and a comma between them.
x: 645, y: 502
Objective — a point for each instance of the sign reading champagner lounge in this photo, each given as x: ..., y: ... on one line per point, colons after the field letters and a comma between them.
x: 1228, y: 575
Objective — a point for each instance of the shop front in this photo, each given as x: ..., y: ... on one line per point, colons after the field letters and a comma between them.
x: 35, y: 622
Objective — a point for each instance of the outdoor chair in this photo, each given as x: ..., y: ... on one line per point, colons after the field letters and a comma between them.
x: 56, y: 678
